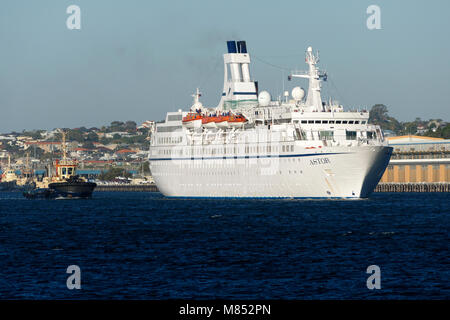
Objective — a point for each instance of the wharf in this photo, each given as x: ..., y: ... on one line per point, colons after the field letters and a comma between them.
x: 413, y: 187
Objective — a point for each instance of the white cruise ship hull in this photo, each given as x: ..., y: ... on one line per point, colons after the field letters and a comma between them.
x: 334, y: 172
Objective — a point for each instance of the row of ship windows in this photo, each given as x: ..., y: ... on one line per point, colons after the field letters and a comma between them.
x: 327, y: 135
x: 230, y: 173
x: 175, y: 128
x: 332, y: 121
x: 170, y: 140
x: 213, y: 151
x: 215, y: 164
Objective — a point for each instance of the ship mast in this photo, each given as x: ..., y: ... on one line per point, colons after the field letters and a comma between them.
x: 197, y: 104
x: 313, y: 100
x: 197, y: 96
x: 64, y: 145
x: 65, y: 168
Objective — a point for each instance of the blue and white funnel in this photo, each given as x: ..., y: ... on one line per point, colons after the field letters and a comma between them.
x: 238, y: 88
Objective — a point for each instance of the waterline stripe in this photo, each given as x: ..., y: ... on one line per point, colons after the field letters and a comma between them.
x: 260, y: 198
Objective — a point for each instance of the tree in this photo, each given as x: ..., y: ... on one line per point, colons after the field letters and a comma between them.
x: 75, y: 135
x: 116, y: 126
x: 92, y: 136
x: 105, y: 140
x: 88, y: 145
x: 379, y: 115
x: 35, y: 134
x: 130, y: 126
x: 409, y: 128
x: 441, y: 132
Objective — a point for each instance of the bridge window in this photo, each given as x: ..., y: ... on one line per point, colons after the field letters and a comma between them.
x: 326, y: 135
x: 174, y: 117
x: 168, y: 128
x: 351, y: 135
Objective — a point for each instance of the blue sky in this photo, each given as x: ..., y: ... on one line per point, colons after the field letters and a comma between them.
x: 137, y: 59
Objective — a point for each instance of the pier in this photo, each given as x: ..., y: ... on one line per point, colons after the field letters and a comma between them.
x: 413, y: 187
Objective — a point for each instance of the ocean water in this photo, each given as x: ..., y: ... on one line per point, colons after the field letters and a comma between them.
x: 144, y: 246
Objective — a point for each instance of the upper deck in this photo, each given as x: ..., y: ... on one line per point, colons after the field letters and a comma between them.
x: 239, y: 118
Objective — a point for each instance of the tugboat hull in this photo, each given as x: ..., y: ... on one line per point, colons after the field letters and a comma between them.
x: 73, y: 189
x: 7, y: 186
x: 44, y: 193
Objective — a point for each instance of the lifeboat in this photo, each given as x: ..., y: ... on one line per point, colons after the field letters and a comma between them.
x: 222, y: 121
x: 192, y: 120
x: 236, y: 120
x: 209, y: 122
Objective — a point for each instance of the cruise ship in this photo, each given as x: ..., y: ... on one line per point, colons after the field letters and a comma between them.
x: 253, y: 146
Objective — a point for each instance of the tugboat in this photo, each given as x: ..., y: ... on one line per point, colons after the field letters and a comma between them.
x: 66, y: 184
x: 8, y: 179
x: 26, y: 181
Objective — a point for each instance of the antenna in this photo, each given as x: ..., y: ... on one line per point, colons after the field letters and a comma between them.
x: 63, y: 143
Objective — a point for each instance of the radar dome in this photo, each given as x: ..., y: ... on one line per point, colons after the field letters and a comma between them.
x: 264, y: 98
x: 298, y: 93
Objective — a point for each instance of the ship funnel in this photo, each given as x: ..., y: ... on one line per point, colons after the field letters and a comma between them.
x: 242, y: 47
x: 236, y: 46
x: 238, y: 89
x: 231, y: 46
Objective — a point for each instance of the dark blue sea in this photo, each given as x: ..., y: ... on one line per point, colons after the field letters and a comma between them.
x: 144, y: 246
